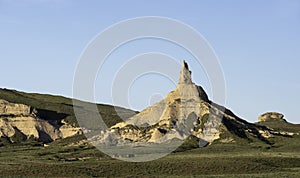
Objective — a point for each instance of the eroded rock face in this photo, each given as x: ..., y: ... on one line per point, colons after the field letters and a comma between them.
x: 271, y: 116
x: 22, y: 117
x: 29, y: 126
x: 184, y: 113
x: 179, y: 115
x: 68, y: 131
x: 185, y: 75
x: 12, y: 109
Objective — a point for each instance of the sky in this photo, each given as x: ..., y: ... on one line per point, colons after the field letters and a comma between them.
x: 257, y: 44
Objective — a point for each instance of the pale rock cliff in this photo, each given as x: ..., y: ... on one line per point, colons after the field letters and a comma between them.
x: 24, y: 119
x: 12, y: 109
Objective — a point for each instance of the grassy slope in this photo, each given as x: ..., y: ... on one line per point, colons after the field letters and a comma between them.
x: 52, y: 106
x: 281, y: 125
x: 228, y: 160
x: 284, y: 144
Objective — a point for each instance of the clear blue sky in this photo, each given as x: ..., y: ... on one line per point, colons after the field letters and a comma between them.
x: 257, y: 42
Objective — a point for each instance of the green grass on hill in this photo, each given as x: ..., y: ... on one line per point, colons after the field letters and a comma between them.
x: 58, y: 107
x: 281, y: 125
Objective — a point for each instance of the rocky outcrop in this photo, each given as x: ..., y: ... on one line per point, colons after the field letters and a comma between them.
x: 185, y: 112
x: 29, y: 126
x: 12, y: 109
x: 179, y: 115
x: 185, y: 75
x: 67, y: 130
x: 22, y: 118
x: 269, y: 116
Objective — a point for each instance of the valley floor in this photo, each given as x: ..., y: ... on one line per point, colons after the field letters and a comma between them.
x: 219, y: 160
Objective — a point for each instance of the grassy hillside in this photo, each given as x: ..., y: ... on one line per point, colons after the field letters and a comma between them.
x: 221, y: 160
x: 56, y: 108
x: 281, y: 125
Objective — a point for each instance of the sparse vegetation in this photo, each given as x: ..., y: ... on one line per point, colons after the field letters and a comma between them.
x: 222, y: 160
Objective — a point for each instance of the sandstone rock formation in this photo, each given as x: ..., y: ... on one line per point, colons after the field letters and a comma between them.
x: 23, y: 118
x: 186, y: 111
x: 11, y: 109
x: 179, y: 115
x: 271, y: 116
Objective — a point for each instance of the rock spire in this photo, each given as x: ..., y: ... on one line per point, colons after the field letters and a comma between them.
x: 185, y: 74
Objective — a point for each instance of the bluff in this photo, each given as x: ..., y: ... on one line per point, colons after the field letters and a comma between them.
x: 187, y: 112
x: 25, y: 121
x: 33, y: 117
